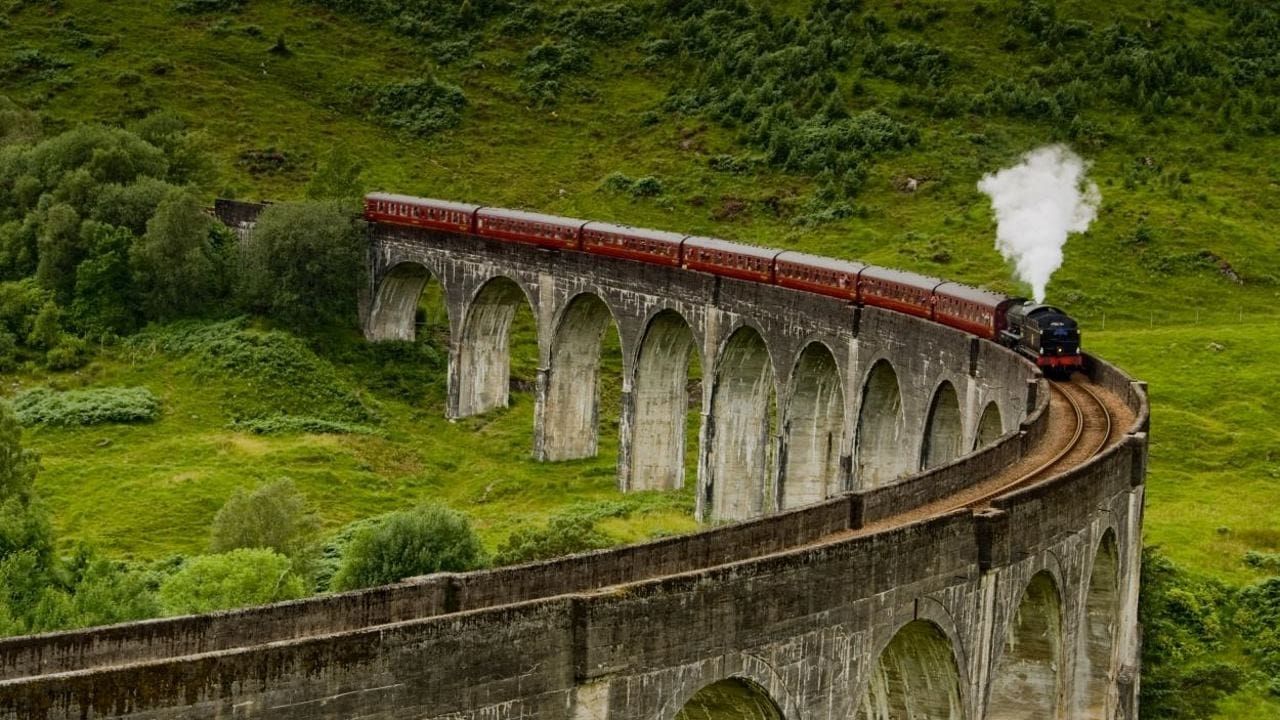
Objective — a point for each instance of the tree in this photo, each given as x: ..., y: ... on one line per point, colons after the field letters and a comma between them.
x: 247, y: 576
x: 276, y: 517
x: 26, y: 541
x: 428, y: 539
x: 105, y: 299
x: 173, y: 261
x: 303, y: 264
x: 46, y: 330
x: 59, y: 250
x: 337, y: 178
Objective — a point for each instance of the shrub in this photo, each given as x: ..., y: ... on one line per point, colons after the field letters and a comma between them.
x: 276, y: 517
x: 269, y: 373
x: 428, y: 539
x: 42, y: 406
x: 421, y: 107
x: 617, y: 182
x: 563, y: 535
x: 1184, y: 625
x: 247, y: 576
x: 70, y: 353
x: 647, y: 186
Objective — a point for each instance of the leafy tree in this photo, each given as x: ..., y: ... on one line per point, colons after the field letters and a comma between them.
x: 130, y: 206
x: 105, y: 298
x: 338, y: 177
x: 18, y: 248
x: 186, y: 150
x: 173, y: 261
x: 303, y: 264
x: 276, y: 517
x: 46, y: 330
x: 60, y: 250
x: 246, y: 576
x: 428, y: 539
x: 26, y: 545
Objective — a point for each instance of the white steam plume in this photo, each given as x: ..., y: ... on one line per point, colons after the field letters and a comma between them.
x: 1037, y: 203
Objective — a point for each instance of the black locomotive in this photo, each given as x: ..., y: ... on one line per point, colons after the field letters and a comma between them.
x: 1043, y: 333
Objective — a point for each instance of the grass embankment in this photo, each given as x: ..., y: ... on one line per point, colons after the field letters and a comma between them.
x: 148, y: 490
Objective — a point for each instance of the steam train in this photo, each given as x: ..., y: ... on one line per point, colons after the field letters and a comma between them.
x: 1043, y: 333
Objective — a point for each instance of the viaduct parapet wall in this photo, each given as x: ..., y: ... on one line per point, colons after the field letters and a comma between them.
x: 818, y: 609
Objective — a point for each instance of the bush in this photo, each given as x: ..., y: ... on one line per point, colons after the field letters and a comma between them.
x: 268, y: 373
x: 303, y: 265
x: 247, y: 576
x: 1185, y: 624
x: 425, y: 540
x: 421, y: 107
x: 647, y: 186
x: 42, y: 406
x: 276, y: 517
x: 70, y: 353
x: 561, y: 536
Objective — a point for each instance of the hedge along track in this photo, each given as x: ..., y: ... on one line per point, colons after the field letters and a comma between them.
x: 1092, y: 435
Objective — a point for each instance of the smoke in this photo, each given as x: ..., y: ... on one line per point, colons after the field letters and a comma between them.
x: 1037, y: 203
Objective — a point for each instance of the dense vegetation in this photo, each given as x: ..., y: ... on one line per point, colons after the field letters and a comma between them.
x: 139, y: 334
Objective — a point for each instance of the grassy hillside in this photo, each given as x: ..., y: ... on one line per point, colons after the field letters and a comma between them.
x: 728, y: 115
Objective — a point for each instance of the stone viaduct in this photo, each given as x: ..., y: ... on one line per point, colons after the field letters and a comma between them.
x: 839, y: 581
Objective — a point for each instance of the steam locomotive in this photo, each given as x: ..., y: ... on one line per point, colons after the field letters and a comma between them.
x: 1043, y: 333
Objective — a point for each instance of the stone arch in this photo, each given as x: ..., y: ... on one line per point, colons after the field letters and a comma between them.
x: 733, y: 697
x: 570, y: 410
x: 916, y: 677
x: 943, y: 428
x: 1095, y: 663
x: 395, y: 304
x: 990, y: 426
x: 660, y: 402
x: 813, y: 428
x: 1027, y: 682
x: 482, y: 373
x: 738, y: 459
x: 881, y: 429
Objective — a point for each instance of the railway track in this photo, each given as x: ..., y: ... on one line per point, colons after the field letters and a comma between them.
x: 1093, y: 431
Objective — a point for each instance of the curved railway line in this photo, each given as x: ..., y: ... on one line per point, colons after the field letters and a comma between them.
x: 1085, y: 418
x: 1092, y: 434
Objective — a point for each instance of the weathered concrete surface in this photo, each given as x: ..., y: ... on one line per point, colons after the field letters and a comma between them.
x: 1027, y: 609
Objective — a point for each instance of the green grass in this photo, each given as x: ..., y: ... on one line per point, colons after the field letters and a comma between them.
x: 146, y: 491
x: 1215, y: 445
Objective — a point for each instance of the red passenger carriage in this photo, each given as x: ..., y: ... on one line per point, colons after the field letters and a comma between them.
x: 730, y: 259
x: 420, y: 212
x: 526, y: 227
x: 826, y: 276
x: 967, y: 308
x: 652, y: 246
x: 905, y: 292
